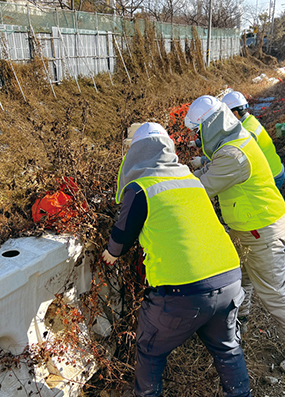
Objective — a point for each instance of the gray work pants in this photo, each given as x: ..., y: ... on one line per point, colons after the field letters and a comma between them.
x: 264, y: 268
x: 166, y: 322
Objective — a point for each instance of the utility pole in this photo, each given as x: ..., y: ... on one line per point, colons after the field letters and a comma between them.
x: 269, y: 20
x: 270, y: 9
x: 256, y: 13
x: 272, y: 24
x: 209, y: 34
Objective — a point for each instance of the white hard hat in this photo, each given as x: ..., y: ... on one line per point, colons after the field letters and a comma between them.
x: 148, y: 130
x: 235, y: 99
x: 202, y: 108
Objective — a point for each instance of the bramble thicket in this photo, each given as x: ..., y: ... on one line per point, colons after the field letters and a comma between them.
x: 46, y: 143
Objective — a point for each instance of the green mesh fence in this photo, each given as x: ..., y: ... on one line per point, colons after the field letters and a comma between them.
x: 222, y: 33
x: 41, y: 21
x: 202, y: 32
x: 108, y: 23
x: 14, y: 14
x: 128, y: 27
x: 19, y: 17
x: 166, y: 30
x: 65, y: 19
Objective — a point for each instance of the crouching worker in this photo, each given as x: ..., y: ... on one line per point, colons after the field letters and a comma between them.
x: 250, y: 202
x: 239, y: 106
x: 192, y: 268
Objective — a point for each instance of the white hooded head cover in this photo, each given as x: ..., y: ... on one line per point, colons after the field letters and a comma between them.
x: 221, y: 127
x: 152, y: 154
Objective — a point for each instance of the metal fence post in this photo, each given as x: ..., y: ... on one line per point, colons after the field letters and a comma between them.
x: 40, y: 51
x: 209, y: 34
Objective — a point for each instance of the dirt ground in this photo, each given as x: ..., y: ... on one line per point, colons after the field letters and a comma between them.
x: 43, y: 139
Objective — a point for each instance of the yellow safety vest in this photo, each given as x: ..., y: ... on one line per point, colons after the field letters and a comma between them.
x: 252, y: 125
x: 182, y: 237
x: 257, y: 202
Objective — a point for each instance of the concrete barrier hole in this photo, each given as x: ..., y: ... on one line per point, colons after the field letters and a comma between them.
x: 11, y: 253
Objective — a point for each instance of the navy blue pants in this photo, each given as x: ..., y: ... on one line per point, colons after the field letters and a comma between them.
x: 166, y: 322
x: 279, y: 179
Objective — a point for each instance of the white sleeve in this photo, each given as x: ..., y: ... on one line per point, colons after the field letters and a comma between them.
x: 229, y: 167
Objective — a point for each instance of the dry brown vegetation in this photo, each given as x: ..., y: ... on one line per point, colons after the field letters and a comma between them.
x: 79, y: 135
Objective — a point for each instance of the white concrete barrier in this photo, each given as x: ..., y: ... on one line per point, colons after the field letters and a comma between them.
x: 32, y: 271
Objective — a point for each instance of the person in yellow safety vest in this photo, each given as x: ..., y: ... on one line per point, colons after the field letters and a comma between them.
x: 239, y: 105
x: 251, y: 204
x: 192, y: 286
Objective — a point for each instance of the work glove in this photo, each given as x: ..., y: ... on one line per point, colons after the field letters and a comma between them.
x: 107, y: 258
x: 192, y: 144
x: 196, y: 161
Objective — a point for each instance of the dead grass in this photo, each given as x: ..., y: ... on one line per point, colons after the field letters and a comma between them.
x: 80, y: 135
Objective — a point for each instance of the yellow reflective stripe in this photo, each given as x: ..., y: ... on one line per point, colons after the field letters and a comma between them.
x: 245, y: 142
x: 172, y: 184
x: 242, y: 159
x: 258, y: 130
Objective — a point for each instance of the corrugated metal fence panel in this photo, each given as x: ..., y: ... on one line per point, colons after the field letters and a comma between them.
x: 68, y: 40
x: 103, y: 53
x: 74, y: 51
x: 167, y: 43
x: 77, y: 54
x: 17, y: 45
x: 224, y: 53
x: 204, y: 49
x: 237, y: 46
x: 86, y: 53
x: 111, y: 58
x: 59, y: 60
x: 87, y: 47
x: 46, y: 49
x: 215, y: 50
x: 45, y: 41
